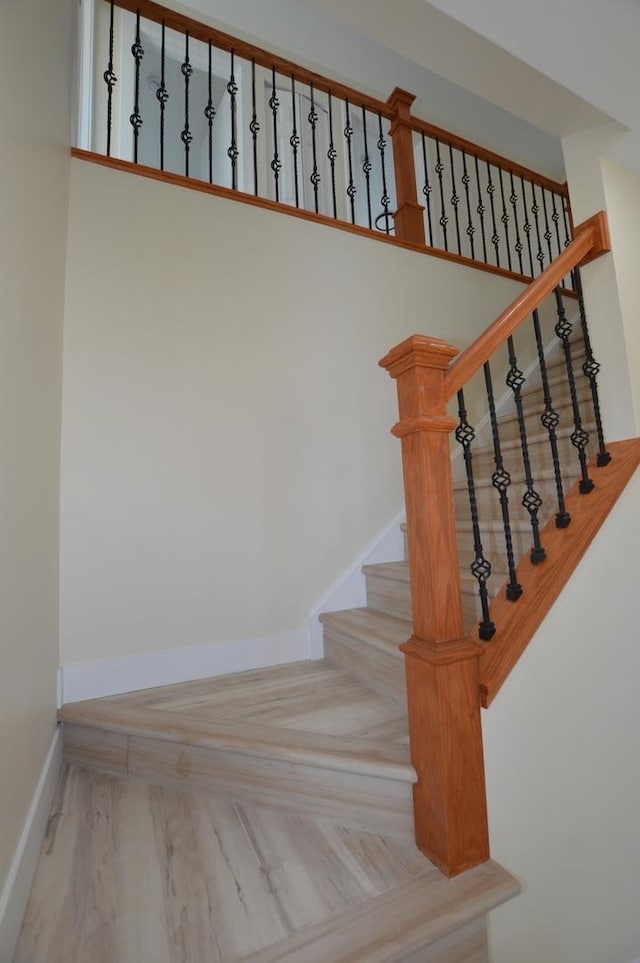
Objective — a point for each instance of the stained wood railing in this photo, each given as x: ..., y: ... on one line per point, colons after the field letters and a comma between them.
x: 444, y: 665
x: 169, y: 97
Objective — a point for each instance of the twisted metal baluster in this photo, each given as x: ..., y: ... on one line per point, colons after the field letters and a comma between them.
x: 186, y: 136
x: 504, y: 217
x: 162, y: 96
x: 513, y: 200
x: 232, y: 152
x: 331, y: 155
x: 210, y: 110
x: 550, y: 420
x: 480, y: 567
x: 531, y: 499
x: 495, y: 237
x: 135, y: 119
x: 385, y: 200
x: 555, y: 217
x: 526, y: 227
x: 547, y: 230
x: 535, y: 210
x: 427, y: 188
x: 481, y: 209
x: 465, y: 181
x: 501, y: 480
x: 590, y: 369
x: 351, y: 189
x: 367, y: 167
x: 276, y: 164
x: 444, y: 220
x: 294, y: 140
x: 579, y: 437
x: 110, y: 80
x: 313, y: 122
x: 254, y: 127
x: 455, y: 200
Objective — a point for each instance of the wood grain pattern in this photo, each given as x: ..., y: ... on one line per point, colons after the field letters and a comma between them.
x: 408, y: 218
x: 517, y: 624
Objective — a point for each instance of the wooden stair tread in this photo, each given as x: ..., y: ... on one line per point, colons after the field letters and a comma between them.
x: 382, y: 631
x: 399, y: 572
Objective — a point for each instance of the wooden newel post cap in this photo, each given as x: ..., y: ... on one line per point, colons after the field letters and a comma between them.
x: 419, y: 351
x: 401, y: 100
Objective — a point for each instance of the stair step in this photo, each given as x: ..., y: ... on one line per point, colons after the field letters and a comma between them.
x: 488, y: 500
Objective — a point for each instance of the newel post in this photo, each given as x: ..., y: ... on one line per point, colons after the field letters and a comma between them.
x: 443, y: 687
x: 408, y: 218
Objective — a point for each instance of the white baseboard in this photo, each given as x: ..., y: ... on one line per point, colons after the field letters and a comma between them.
x: 105, y: 677
x: 349, y: 591
x: 15, y: 894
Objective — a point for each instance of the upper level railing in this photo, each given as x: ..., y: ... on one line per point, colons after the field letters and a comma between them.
x: 165, y: 93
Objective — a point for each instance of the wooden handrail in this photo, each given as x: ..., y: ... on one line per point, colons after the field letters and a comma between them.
x: 592, y: 239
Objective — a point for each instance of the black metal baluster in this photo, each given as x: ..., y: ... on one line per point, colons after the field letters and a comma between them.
x: 531, y: 499
x: 254, y: 127
x: 481, y: 209
x: 590, y: 369
x: 162, y: 96
x: 455, y: 200
x: 294, y: 140
x: 385, y: 200
x: 232, y: 151
x: 550, y: 420
x: 210, y: 113
x: 135, y: 119
x: 513, y: 200
x: 495, y: 237
x: 274, y: 104
x: 579, y: 437
x: 351, y: 189
x: 501, y: 480
x: 331, y: 155
x: 555, y: 217
x: 504, y: 217
x: 366, y: 166
x: 535, y: 210
x: 313, y: 123
x: 110, y: 80
x: 427, y: 188
x: 547, y: 230
x: 480, y: 567
x: 565, y: 218
x: 526, y: 227
x: 444, y: 220
x: 186, y: 136
x: 465, y: 180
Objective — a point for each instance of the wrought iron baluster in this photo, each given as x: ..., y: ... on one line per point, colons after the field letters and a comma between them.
x: 565, y: 218
x: 351, y: 188
x: 162, y: 96
x: 444, y: 220
x: 579, y: 437
x: 481, y: 210
x: 504, y: 217
x: 366, y: 166
x: 315, y: 174
x: 232, y: 152
x: 535, y: 210
x: 550, y: 420
x: 501, y: 480
x: 385, y: 200
x: 495, y: 237
x: 526, y: 227
x: 135, y: 119
x: 470, y: 231
x: 455, y: 200
x: 513, y: 200
x: 331, y: 155
x: 110, y: 80
x: 276, y: 164
x: 547, y: 230
x: 254, y: 128
x: 555, y: 217
x: 210, y: 111
x: 427, y: 188
x: 186, y: 136
x: 531, y: 499
x: 294, y: 140
x: 590, y: 369
x: 480, y: 567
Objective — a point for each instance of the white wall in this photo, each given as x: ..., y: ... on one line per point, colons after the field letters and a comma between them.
x: 34, y: 171
x: 561, y: 751
x: 226, y: 450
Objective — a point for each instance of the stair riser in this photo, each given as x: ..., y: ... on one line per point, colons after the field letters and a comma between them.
x: 365, y: 802
x: 373, y: 667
